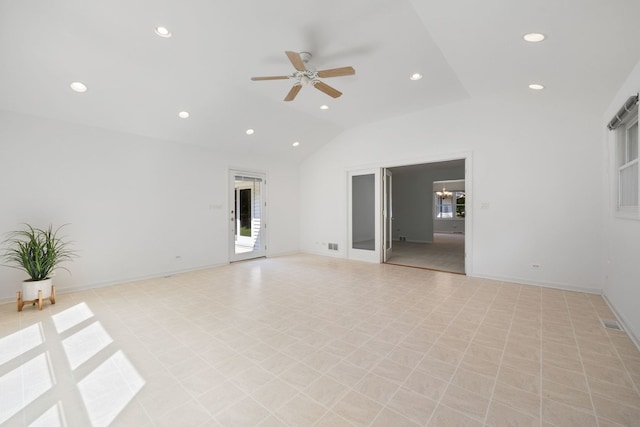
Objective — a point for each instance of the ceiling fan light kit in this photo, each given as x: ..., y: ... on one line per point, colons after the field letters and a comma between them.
x: 304, y: 76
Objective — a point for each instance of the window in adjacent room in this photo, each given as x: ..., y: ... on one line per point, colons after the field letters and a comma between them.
x: 449, y: 204
x: 625, y: 125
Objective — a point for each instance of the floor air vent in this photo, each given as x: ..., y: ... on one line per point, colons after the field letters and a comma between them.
x: 611, y: 324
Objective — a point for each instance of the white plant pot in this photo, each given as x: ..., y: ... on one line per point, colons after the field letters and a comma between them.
x: 30, y: 289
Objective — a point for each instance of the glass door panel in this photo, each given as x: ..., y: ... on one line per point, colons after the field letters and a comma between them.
x: 364, y: 215
x: 247, y: 215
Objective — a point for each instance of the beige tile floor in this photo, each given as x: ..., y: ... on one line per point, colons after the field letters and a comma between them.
x: 445, y: 253
x: 312, y: 341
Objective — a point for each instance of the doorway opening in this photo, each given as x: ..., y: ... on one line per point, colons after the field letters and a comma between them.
x: 428, y: 218
x: 396, y: 216
x: 247, y: 214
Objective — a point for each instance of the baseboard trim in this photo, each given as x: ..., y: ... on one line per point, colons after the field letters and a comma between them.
x: 621, y: 320
x: 332, y: 254
x: 551, y: 285
x: 280, y: 254
x: 69, y: 289
x: 516, y: 280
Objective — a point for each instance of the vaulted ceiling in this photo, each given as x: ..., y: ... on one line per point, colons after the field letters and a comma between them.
x: 138, y: 82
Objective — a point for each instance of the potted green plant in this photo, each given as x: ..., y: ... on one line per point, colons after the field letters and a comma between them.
x: 38, y: 252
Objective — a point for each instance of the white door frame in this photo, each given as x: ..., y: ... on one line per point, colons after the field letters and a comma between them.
x: 387, y: 214
x: 467, y: 156
x: 261, y: 250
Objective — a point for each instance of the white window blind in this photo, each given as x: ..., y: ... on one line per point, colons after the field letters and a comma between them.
x: 625, y: 125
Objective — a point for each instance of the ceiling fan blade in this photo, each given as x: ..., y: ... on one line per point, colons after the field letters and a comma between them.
x: 337, y: 72
x: 293, y: 92
x: 270, y: 78
x: 323, y: 87
x: 296, y: 60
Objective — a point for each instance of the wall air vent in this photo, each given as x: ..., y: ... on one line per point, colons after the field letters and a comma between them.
x: 611, y: 324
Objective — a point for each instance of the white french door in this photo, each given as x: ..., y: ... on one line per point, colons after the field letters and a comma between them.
x: 387, y: 215
x: 364, y: 215
x: 247, y: 217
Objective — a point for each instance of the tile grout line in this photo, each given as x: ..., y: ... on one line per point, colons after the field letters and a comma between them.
x: 633, y: 384
x: 495, y: 382
x: 300, y: 391
x: 246, y: 394
x: 575, y: 337
x: 423, y: 357
x: 227, y: 378
x: 465, y: 352
x: 541, y: 355
x: 369, y: 371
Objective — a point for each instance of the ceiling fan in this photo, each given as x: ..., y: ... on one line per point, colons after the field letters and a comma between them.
x: 303, y: 76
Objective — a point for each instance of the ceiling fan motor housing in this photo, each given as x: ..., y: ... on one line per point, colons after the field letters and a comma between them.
x: 305, y: 77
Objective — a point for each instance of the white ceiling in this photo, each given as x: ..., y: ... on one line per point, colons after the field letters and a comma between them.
x: 138, y: 82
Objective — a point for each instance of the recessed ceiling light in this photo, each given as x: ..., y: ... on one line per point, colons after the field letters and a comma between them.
x: 534, y: 37
x: 295, y: 144
x: 324, y: 107
x: 183, y: 114
x: 163, y: 32
x: 416, y: 76
x: 536, y: 86
x: 78, y: 87
x: 250, y: 131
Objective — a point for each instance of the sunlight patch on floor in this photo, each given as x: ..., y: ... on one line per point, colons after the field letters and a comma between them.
x: 85, y: 344
x: 20, y: 342
x: 29, y: 393
x: 109, y: 388
x: 23, y: 385
x: 71, y: 317
x: 53, y: 417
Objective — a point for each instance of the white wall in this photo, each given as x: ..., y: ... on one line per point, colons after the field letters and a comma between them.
x: 622, y: 246
x: 526, y: 160
x: 133, y: 204
x: 448, y: 225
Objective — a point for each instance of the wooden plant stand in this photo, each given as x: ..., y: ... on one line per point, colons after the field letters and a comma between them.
x: 39, y: 301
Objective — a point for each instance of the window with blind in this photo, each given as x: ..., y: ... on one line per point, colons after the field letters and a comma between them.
x: 449, y: 204
x: 625, y: 124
